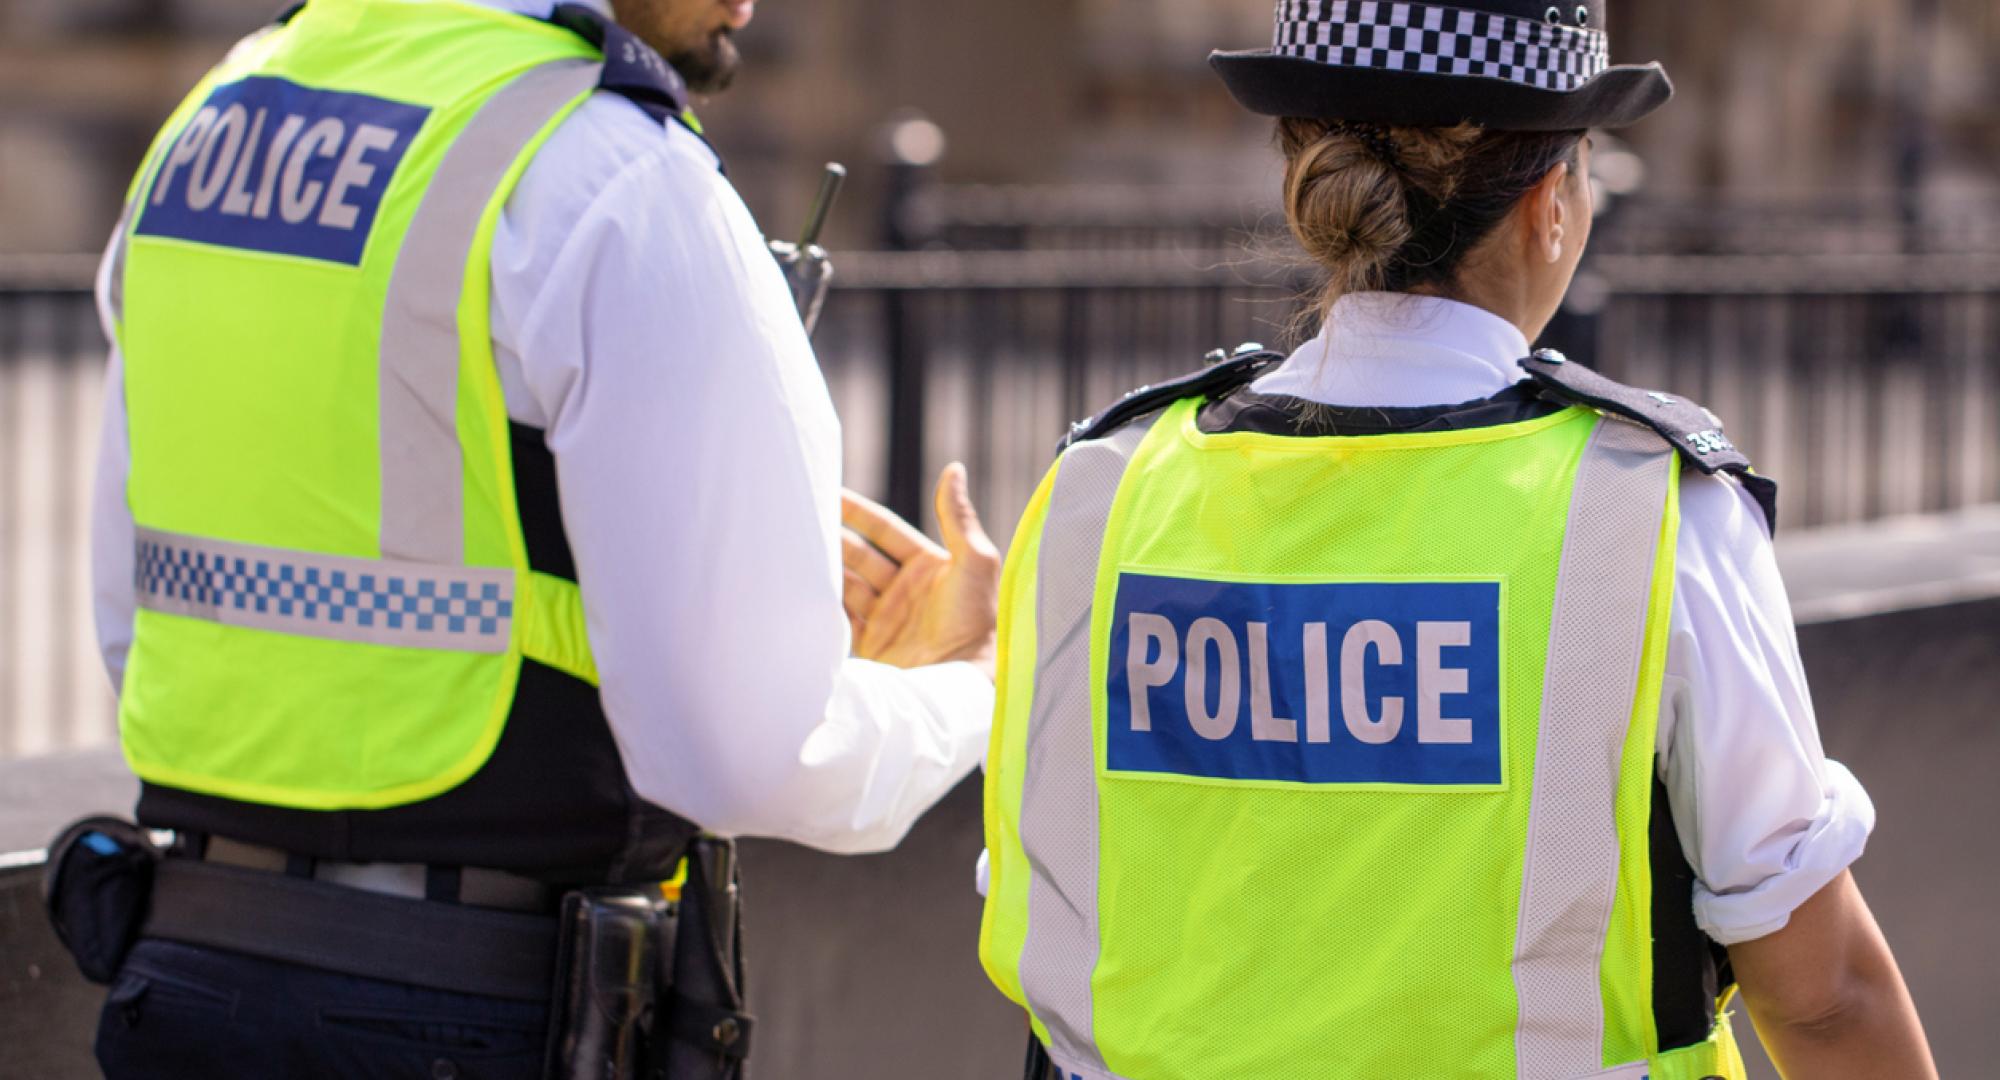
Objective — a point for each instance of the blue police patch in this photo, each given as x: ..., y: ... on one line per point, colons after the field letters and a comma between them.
x: 1348, y: 683
x: 270, y: 165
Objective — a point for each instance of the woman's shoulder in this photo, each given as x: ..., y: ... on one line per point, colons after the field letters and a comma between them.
x: 1718, y: 508
x: 1694, y: 432
x: 1729, y: 594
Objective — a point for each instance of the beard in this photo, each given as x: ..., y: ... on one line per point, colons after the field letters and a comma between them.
x: 710, y: 67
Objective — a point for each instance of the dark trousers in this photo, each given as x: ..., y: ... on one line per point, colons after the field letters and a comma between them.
x: 189, y: 1011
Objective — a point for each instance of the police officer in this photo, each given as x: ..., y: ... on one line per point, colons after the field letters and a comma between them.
x: 1402, y: 707
x: 467, y: 530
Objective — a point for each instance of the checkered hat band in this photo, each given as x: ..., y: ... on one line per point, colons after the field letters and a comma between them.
x: 1436, y: 40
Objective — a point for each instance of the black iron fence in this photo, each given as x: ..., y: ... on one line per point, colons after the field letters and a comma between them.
x: 1869, y: 385
x: 986, y: 357
x: 1068, y: 217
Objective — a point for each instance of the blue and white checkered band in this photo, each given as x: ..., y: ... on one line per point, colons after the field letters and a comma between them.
x: 1437, y: 40
x: 376, y: 601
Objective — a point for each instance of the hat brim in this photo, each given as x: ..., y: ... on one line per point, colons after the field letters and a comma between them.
x: 1274, y: 85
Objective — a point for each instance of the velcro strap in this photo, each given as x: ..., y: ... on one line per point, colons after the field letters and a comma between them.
x: 553, y: 630
x: 710, y: 1028
x: 299, y: 921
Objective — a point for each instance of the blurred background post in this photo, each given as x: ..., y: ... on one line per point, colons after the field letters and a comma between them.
x: 1052, y: 202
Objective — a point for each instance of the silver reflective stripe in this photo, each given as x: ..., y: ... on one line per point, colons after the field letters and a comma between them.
x: 1059, y: 788
x: 423, y: 514
x: 380, y: 602
x: 114, y: 279
x: 1595, y: 650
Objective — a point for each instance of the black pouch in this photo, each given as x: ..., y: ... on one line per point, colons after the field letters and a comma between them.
x: 97, y: 884
x: 652, y: 989
x: 705, y: 1028
x: 614, y: 947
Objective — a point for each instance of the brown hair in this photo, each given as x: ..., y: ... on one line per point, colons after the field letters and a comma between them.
x: 1395, y: 208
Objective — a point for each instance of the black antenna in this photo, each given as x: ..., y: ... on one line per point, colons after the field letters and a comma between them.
x: 829, y: 188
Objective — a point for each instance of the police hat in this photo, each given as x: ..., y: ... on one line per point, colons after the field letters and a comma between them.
x: 1508, y: 65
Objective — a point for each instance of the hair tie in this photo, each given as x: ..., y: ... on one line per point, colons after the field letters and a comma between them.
x: 1376, y: 138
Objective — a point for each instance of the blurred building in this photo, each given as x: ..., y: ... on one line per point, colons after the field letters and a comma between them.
x: 1807, y: 97
x: 1029, y: 90
x: 1790, y: 100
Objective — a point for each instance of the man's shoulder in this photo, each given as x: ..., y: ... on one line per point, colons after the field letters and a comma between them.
x: 601, y: 143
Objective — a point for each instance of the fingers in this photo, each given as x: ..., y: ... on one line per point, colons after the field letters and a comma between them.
x: 857, y: 596
x: 957, y: 520
x: 882, y: 527
x: 865, y: 559
x: 889, y: 620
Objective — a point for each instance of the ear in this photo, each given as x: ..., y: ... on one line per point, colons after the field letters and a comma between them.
x: 1548, y: 215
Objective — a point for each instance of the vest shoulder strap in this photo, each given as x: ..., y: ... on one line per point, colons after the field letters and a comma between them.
x: 1223, y: 375
x: 1694, y: 432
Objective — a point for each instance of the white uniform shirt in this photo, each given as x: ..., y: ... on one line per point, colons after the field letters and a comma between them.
x: 640, y: 322
x: 1764, y: 818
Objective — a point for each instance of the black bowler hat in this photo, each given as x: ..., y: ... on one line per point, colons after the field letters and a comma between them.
x: 1508, y: 65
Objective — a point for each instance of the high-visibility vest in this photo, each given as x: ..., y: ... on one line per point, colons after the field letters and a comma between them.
x: 1334, y: 756
x: 335, y: 593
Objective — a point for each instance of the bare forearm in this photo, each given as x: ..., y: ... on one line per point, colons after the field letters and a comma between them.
x: 1876, y: 1035
x: 1827, y: 997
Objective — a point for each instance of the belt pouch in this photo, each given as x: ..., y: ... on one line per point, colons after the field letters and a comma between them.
x: 97, y: 884
x: 705, y: 1031
x: 614, y: 944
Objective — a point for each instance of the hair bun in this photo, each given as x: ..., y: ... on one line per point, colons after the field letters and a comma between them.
x: 1344, y: 201
x: 1389, y: 208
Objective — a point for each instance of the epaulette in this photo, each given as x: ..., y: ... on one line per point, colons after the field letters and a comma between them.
x: 1692, y: 430
x: 1224, y: 373
x: 633, y: 69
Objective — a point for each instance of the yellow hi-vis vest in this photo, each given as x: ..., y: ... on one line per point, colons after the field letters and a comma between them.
x: 1333, y: 756
x: 335, y: 597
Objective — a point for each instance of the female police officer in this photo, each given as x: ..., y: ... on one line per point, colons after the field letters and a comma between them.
x: 1407, y: 709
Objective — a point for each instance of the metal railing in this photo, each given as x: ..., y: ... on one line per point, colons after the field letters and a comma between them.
x: 1869, y: 385
x: 53, y: 690
x: 1070, y: 217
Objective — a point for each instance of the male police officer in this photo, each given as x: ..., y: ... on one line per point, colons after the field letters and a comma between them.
x: 466, y: 526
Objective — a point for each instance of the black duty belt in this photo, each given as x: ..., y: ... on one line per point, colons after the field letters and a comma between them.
x: 298, y: 920
x: 475, y: 886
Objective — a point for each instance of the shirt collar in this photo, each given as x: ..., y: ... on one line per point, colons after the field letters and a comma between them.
x: 1400, y: 349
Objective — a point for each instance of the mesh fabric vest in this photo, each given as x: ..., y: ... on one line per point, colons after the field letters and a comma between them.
x: 336, y: 595
x: 1333, y: 756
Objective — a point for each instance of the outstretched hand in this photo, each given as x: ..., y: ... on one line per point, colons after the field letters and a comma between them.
x: 910, y: 601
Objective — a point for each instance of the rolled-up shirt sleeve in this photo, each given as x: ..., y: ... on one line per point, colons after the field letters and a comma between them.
x: 698, y: 462
x: 1764, y: 818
